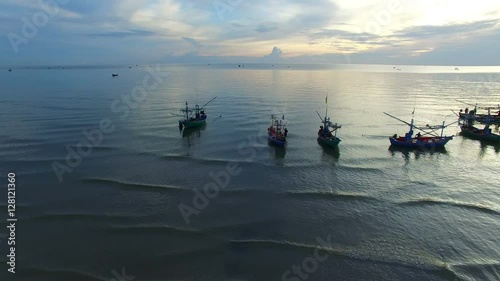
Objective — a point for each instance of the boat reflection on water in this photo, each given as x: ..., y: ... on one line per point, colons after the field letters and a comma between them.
x: 278, y: 153
x: 190, y: 134
x: 417, y: 152
x: 485, y: 145
x: 195, y: 131
x: 329, y: 153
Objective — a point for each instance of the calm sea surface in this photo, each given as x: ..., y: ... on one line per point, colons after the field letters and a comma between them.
x: 369, y: 212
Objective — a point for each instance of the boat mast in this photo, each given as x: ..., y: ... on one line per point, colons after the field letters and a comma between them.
x: 411, y: 123
x: 442, y: 129
x: 187, y: 114
x: 326, y: 111
x: 207, y: 103
x: 326, y: 125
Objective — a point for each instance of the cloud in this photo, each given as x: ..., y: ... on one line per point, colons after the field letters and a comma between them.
x: 274, y: 56
x: 193, y: 42
x: 324, y: 30
x: 419, y: 32
x: 123, y: 34
x: 266, y: 27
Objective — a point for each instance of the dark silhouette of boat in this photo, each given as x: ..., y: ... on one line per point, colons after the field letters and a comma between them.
x: 325, y: 135
x: 433, y: 141
x: 277, y: 131
x: 193, y: 117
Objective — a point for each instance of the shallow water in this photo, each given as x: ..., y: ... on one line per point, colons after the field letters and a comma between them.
x: 388, y: 214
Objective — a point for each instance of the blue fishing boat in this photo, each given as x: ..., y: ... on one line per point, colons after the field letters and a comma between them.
x: 485, y: 134
x: 489, y: 117
x: 327, y: 134
x: 193, y: 117
x: 277, y: 131
x: 430, y: 139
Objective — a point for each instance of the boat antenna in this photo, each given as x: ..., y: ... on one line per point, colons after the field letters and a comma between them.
x: 414, y: 102
x: 319, y: 115
x: 197, y: 96
x: 326, y: 110
x: 401, y: 120
x: 442, y: 127
x: 208, y: 103
x: 412, y: 120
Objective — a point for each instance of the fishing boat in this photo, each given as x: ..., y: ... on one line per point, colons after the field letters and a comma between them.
x: 484, y: 134
x: 193, y: 117
x: 327, y: 134
x: 469, y: 130
x: 277, y: 131
x: 480, y: 117
x: 429, y: 140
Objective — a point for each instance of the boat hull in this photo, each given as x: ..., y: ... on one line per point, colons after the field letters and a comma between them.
x: 276, y: 141
x: 192, y: 124
x: 329, y: 141
x: 482, y: 118
x: 478, y: 134
x: 422, y: 143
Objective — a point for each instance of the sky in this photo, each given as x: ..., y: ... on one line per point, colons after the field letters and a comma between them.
x: 76, y: 32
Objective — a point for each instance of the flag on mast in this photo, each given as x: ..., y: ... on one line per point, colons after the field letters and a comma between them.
x: 326, y: 99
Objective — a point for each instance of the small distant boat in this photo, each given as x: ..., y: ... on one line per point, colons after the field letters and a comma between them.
x: 472, y: 115
x: 114, y: 75
x: 481, y: 118
x: 485, y: 134
x: 277, y: 131
x: 456, y: 68
x: 10, y: 70
x: 325, y: 135
x: 193, y: 117
x: 433, y: 141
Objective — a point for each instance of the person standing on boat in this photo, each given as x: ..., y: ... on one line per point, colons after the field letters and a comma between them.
x: 487, y: 130
x: 408, y: 135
